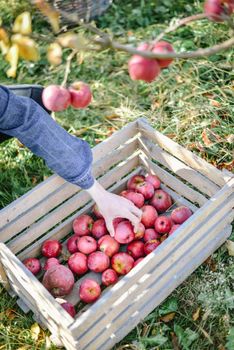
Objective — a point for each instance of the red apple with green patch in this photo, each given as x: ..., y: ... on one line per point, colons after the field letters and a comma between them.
x: 82, y: 225
x: 81, y: 95
x: 98, y: 262
x: 122, y: 263
x: 139, y: 234
x: 217, y: 10
x: 89, y: 290
x: 163, y: 224
x: 161, y: 201
x: 109, y: 277
x: 78, y: 263
x: 181, y: 214
x: 149, y: 215
x: 108, y: 245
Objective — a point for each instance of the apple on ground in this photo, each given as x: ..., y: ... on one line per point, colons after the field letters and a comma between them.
x: 72, y: 244
x: 109, y: 277
x: 136, y: 249
x: 151, y: 245
x: 154, y: 180
x: 161, y: 201
x: 81, y: 95
x: 82, y: 225
x: 87, y: 245
x: 108, y: 245
x: 78, y: 263
x: 122, y: 263
x: 181, y: 214
x: 163, y: 224
x: 98, y: 262
x: 89, y: 290
x: 56, y: 98
x: 99, y: 228
x: 51, y: 248
x: 33, y: 265
x: 149, y: 215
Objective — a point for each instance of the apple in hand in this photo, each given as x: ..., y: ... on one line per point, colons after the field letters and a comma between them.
x: 150, y: 234
x: 151, y: 245
x: 149, y: 215
x: 78, y: 263
x: 181, y: 214
x: 136, y: 249
x: 51, y: 248
x: 99, y: 229
x: 154, y: 180
x: 56, y: 98
x: 163, y: 47
x: 89, y: 290
x: 87, y: 245
x: 108, y: 245
x: 122, y: 263
x: 81, y: 95
x: 109, y: 277
x: 124, y: 232
x: 33, y: 265
x: 162, y: 224
x: 72, y: 244
x: 82, y: 225
x: 98, y: 262
x: 161, y: 201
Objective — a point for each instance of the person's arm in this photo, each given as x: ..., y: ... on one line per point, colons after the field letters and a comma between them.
x: 67, y: 155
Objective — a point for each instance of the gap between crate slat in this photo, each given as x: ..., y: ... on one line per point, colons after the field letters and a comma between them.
x: 196, y: 179
x: 172, y: 181
x: 183, y: 154
x: 59, y: 214
x: 157, y: 299
x: 189, y: 226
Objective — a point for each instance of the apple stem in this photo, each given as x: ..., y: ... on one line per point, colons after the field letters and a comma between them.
x: 68, y: 67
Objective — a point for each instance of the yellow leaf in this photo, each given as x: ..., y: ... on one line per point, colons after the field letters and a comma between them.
x: 27, y: 47
x: 25, y: 347
x: 4, y: 47
x: 196, y: 314
x: 23, y: 24
x: 230, y: 247
x: 73, y: 41
x: 54, y: 54
x: 168, y: 317
x: 35, y: 331
x: 4, y: 36
x: 12, y: 57
x: 50, y: 12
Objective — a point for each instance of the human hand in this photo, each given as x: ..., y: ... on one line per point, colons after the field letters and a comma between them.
x: 112, y: 206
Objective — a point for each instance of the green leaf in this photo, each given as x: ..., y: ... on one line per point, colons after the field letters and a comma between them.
x: 157, y: 340
x: 230, y: 339
x: 186, y: 337
x: 170, y: 305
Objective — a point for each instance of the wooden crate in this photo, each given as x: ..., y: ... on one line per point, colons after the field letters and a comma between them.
x: 48, y: 210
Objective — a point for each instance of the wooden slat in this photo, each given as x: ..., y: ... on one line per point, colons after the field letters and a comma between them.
x: 157, y: 296
x: 3, y: 278
x: 64, y: 228
x: 185, y: 172
x: 172, y: 181
x: 59, y: 214
x: 159, y: 274
x: 64, y: 192
x: 54, y: 182
x: 179, y: 200
x: 222, y: 200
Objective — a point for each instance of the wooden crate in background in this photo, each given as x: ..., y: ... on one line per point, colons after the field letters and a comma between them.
x: 49, y: 209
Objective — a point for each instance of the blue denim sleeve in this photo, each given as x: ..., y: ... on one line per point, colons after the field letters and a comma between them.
x: 67, y: 155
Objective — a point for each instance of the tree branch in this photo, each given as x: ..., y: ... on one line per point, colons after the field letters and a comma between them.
x: 68, y: 67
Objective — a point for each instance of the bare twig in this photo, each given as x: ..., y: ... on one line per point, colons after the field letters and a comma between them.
x: 68, y: 67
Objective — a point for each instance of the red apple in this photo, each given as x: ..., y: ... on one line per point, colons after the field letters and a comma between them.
x: 181, y: 214
x: 161, y: 201
x: 97, y: 212
x: 134, y: 181
x: 89, y: 290
x: 56, y: 98
x: 81, y: 95
x: 146, y: 189
x: 137, y: 198
x: 116, y: 221
x: 99, y: 228
x: 136, y: 249
x: 72, y: 244
x: 162, y: 224
x: 51, y: 248
x: 216, y: 10
x: 149, y: 215
x: 137, y: 261
x: 151, y: 245
x: 124, y: 232
x: 78, y: 263
x: 163, y: 47
x: 59, y: 280
x: 122, y: 263
x: 154, y: 180
x: 87, y: 245
x: 98, y: 262
x: 140, y: 231
x: 141, y: 68
x: 69, y: 308
x: 108, y: 245
x: 33, y: 265
x: 174, y: 227
x: 50, y: 262
x: 150, y: 234
x: 82, y: 225
x: 109, y: 277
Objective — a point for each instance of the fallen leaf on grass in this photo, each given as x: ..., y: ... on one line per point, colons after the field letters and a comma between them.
x: 230, y: 247
x: 167, y: 318
x: 226, y: 165
x: 206, y: 139
x: 196, y: 314
x: 215, y: 103
x: 35, y: 331
x: 175, y: 341
x: 210, y: 262
x: 25, y: 347
x: 230, y: 139
x: 214, y: 123
x: 11, y: 314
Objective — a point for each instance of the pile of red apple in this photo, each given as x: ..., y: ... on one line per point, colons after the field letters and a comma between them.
x: 91, y: 248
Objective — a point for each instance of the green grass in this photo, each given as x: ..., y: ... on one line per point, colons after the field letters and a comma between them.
x: 185, y: 100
